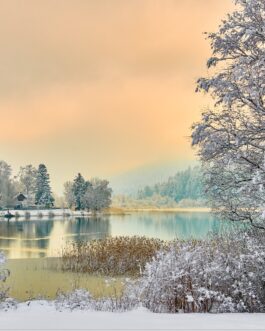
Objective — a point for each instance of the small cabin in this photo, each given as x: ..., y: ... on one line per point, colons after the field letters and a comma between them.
x: 20, y: 200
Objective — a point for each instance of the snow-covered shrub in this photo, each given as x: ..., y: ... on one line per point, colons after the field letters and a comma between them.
x: 81, y: 299
x: 8, y: 303
x: 128, y: 299
x: 222, y: 274
x: 77, y: 299
x: 5, y: 301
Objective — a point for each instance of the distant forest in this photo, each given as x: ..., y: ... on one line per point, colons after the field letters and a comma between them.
x: 184, y: 189
x: 185, y: 184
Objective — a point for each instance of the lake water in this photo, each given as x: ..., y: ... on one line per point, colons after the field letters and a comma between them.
x: 47, y: 237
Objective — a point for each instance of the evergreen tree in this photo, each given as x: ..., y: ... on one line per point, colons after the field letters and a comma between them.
x: 79, y: 189
x: 7, y: 185
x: 43, y: 195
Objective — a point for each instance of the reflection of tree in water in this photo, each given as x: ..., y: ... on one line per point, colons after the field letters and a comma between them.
x: 43, y: 228
x: 89, y: 227
x: 37, y: 235
x: 29, y: 234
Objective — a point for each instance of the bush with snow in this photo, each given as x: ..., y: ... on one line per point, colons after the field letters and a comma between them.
x: 81, y: 299
x: 222, y: 274
x: 78, y: 299
x: 5, y: 301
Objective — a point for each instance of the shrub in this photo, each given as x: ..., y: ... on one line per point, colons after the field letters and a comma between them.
x: 5, y: 302
x: 81, y: 299
x: 77, y: 299
x: 222, y: 274
x: 111, y: 256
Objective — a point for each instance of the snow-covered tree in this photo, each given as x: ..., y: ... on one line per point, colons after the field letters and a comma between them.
x: 97, y: 195
x: 231, y: 134
x: 7, y: 185
x: 79, y: 187
x: 43, y: 194
x: 69, y: 197
x: 27, y: 178
x: 92, y: 195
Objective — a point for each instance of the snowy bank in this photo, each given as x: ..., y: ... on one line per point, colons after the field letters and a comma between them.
x: 38, y: 213
x: 42, y: 315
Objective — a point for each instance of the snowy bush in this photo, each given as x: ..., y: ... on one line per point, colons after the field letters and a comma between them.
x: 222, y: 274
x: 78, y: 299
x: 5, y: 301
x: 81, y: 299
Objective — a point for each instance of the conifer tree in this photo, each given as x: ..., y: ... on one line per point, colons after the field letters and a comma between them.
x: 43, y: 195
x: 79, y: 190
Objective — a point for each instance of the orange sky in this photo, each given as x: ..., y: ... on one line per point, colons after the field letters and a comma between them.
x: 101, y: 86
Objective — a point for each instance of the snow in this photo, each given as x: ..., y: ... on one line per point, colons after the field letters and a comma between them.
x: 36, y: 315
x: 36, y: 213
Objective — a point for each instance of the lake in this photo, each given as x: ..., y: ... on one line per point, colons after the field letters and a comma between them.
x: 47, y: 237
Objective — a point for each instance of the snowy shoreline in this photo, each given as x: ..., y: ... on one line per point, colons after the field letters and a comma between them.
x: 36, y: 315
x: 38, y: 213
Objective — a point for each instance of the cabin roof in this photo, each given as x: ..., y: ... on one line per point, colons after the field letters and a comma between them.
x: 20, y: 197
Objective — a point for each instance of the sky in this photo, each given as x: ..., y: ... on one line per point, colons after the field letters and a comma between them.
x: 102, y: 86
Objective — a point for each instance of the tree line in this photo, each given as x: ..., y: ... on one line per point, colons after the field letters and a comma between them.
x: 34, y: 184
x: 185, y: 184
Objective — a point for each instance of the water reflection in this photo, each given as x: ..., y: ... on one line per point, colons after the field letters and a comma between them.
x: 28, y: 238
x: 168, y: 225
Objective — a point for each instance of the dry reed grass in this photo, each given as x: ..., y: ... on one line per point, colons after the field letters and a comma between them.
x: 111, y: 256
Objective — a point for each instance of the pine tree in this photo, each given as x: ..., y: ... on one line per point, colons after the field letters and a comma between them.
x: 43, y: 195
x: 79, y: 190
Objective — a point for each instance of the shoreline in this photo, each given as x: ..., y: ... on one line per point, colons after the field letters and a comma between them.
x: 124, y: 211
x: 30, y: 214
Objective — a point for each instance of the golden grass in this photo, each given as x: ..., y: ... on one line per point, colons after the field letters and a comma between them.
x: 114, y: 211
x: 111, y: 256
x: 173, y: 210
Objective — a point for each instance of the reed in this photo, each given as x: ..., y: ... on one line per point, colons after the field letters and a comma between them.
x: 111, y: 256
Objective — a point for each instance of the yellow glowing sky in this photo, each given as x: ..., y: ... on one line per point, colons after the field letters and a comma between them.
x: 101, y: 86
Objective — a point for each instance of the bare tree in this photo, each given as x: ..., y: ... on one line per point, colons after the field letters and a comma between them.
x: 231, y: 135
x: 27, y: 177
x: 98, y: 195
x: 69, y: 194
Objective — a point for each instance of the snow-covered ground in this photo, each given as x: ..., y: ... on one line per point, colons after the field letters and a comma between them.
x: 41, y: 315
x: 37, y: 213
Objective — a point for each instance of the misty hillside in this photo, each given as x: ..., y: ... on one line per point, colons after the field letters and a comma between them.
x: 132, y: 181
